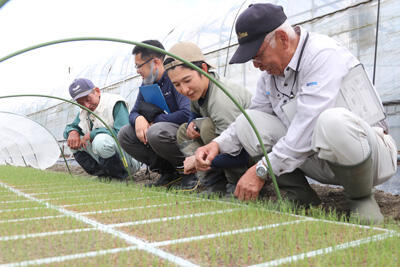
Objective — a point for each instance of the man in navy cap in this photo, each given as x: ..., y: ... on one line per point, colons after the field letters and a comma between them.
x: 295, y: 110
x: 89, y: 140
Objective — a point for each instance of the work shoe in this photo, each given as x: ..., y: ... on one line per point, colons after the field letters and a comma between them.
x: 167, y: 179
x: 89, y: 164
x: 114, y: 167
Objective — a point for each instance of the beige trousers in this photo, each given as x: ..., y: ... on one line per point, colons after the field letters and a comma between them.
x: 340, y: 137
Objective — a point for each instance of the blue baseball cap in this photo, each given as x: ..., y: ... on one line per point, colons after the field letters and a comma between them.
x: 252, y: 26
x: 80, y: 87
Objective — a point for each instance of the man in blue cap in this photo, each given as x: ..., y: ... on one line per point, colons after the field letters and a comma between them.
x: 295, y: 110
x: 87, y: 137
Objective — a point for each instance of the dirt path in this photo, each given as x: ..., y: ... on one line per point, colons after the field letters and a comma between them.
x: 332, y: 198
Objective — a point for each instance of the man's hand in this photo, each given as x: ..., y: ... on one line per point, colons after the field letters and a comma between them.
x: 85, y: 140
x: 191, y: 132
x: 141, y: 127
x: 249, y: 185
x: 74, y: 140
x: 205, y: 155
x: 189, y: 165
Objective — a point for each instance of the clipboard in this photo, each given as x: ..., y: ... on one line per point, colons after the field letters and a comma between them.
x: 152, y: 94
x: 357, y: 94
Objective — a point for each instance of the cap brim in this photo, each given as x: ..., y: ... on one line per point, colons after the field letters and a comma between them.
x: 82, y: 94
x: 247, y: 51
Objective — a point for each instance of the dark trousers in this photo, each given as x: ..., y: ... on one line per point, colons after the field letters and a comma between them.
x: 161, y: 153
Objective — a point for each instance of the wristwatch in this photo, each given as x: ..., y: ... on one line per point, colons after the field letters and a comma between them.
x: 261, y: 170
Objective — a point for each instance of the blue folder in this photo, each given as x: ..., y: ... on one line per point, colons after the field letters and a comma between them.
x: 152, y: 94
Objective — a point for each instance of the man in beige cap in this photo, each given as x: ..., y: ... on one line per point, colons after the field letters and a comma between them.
x: 211, y: 113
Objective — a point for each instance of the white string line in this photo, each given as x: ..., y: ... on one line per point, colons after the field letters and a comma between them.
x: 136, y: 208
x: 61, y: 185
x: 70, y: 257
x: 120, y: 224
x: 369, y: 227
x: 110, y: 201
x: 164, y: 219
x: 38, y: 185
x: 73, y: 191
x: 327, y: 221
x: 327, y: 250
x: 227, y: 233
x: 7, y: 195
x: 25, y: 236
x: 163, y: 243
x: 33, y: 219
x: 72, y: 187
x: 59, y: 198
x: 78, y: 196
x: 22, y: 209
x: 300, y: 216
x: 105, y: 228
x: 15, y: 201
x: 237, y: 204
x: 60, y: 216
x: 79, y: 204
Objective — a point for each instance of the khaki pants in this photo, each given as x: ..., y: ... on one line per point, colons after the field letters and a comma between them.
x: 340, y: 137
x: 104, y: 146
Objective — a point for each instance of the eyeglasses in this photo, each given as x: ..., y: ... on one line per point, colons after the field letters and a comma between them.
x: 144, y: 63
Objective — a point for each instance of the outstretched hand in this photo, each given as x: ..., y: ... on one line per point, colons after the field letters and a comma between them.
x: 249, y: 185
x: 205, y: 155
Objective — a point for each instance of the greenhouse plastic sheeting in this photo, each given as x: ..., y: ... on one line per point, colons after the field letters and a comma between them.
x: 26, y: 143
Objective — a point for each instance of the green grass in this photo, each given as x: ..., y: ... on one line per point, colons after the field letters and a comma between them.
x: 122, y: 259
x: 51, y: 246
x: 208, y: 232
x: 238, y: 218
x: 40, y: 226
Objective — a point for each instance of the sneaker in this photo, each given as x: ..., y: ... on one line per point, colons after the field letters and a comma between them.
x: 188, y: 182
x: 166, y: 179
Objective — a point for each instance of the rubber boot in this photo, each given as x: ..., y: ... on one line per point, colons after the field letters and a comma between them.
x: 357, y: 181
x: 297, y: 189
x: 114, y: 167
x: 89, y: 164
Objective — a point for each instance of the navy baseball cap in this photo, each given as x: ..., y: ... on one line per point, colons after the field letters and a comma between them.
x: 252, y: 26
x: 80, y: 87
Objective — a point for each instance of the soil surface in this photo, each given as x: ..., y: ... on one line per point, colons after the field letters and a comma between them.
x: 331, y: 197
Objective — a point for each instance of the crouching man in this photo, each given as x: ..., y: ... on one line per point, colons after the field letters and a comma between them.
x: 211, y: 113
x: 89, y: 140
x: 330, y: 144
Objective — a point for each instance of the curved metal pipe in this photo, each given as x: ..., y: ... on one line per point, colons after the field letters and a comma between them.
x: 166, y: 53
x: 124, y: 161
